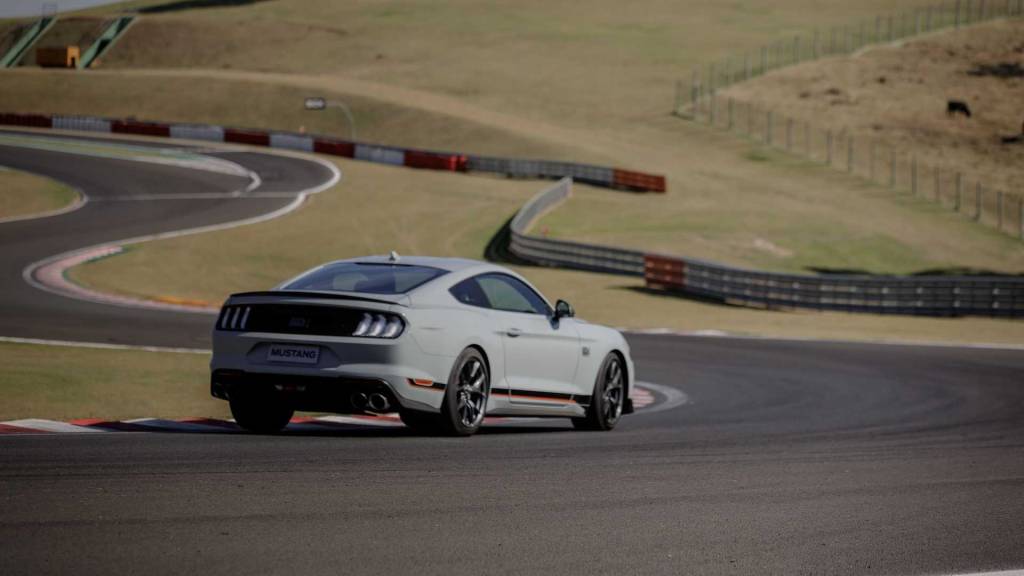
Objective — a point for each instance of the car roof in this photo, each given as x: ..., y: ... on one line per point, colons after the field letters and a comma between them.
x: 447, y: 264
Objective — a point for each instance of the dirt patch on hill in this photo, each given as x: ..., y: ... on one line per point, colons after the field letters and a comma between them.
x: 901, y: 94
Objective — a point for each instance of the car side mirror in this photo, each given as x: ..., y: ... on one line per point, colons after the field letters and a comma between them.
x: 563, y: 310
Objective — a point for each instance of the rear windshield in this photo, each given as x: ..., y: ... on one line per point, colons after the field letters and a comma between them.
x: 363, y: 277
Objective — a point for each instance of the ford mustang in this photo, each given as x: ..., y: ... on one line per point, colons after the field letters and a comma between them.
x: 441, y: 341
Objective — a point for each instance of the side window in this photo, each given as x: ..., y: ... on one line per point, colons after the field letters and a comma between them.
x: 469, y: 292
x: 509, y: 294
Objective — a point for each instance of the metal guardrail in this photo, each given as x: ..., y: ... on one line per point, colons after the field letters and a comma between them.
x: 563, y: 253
x: 912, y: 295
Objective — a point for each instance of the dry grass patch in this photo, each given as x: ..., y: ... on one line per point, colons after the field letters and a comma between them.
x: 64, y: 383
x: 25, y: 194
x: 898, y: 96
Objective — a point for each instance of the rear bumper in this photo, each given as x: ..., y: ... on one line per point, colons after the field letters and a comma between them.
x: 310, y: 393
x: 398, y: 369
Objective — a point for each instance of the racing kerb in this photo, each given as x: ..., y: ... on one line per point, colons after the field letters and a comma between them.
x: 916, y: 295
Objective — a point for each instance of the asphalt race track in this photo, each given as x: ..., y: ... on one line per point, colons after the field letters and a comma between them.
x: 790, y: 458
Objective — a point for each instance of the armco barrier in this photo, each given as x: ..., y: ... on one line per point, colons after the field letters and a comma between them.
x: 197, y: 132
x: 142, y: 128
x: 81, y: 123
x: 563, y: 253
x: 914, y: 295
x: 334, y: 147
x: 251, y: 137
x: 291, y: 142
x: 380, y: 154
x: 424, y: 159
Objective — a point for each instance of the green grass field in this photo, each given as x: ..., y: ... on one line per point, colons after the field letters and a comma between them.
x: 26, y: 194
x: 63, y: 383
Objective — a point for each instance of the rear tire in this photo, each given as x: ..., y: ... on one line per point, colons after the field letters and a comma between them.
x: 261, y: 411
x: 608, y: 399
x: 465, y: 397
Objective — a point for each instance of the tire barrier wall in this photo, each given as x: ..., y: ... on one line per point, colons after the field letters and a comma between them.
x: 422, y: 159
x: 910, y: 295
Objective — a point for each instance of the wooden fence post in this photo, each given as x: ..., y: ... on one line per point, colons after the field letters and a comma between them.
x: 978, y: 189
x: 1020, y: 204
x: 1020, y: 214
x: 849, y: 153
x: 871, y: 161
x: 892, y: 169
x: 999, y: 209
x: 695, y: 92
x: 959, y: 191
x: 913, y: 175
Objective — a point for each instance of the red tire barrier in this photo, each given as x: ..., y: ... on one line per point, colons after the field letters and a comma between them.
x: 143, y: 128
x: 434, y: 161
x: 638, y: 181
x: 334, y: 147
x: 33, y: 120
x: 664, y: 272
x: 253, y: 138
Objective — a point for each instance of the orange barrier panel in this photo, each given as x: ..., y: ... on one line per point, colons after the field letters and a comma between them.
x: 246, y: 137
x: 638, y: 181
x: 334, y: 147
x: 435, y: 161
x: 664, y: 271
x: 144, y: 128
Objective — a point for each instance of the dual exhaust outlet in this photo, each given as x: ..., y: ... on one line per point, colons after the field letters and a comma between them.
x: 375, y: 402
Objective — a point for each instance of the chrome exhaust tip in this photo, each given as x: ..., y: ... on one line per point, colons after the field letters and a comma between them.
x: 379, y: 402
x: 358, y: 400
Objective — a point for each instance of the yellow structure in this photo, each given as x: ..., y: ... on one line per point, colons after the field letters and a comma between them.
x: 62, y: 57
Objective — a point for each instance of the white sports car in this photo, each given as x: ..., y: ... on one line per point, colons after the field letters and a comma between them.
x: 441, y: 341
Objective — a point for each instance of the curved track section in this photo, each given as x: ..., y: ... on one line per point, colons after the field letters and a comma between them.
x: 128, y: 199
x: 787, y: 457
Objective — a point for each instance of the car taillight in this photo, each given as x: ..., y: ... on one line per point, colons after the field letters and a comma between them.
x: 379, y: 326
x: 234, y: 317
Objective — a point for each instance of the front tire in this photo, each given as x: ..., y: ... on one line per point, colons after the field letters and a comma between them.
x: 261, y: 411
x: 609, y: 397
x: 465, y: 397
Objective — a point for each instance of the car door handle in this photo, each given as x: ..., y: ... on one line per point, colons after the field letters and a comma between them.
x: 514, y: 332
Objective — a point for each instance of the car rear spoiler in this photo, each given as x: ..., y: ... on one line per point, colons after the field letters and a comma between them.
x: 399, y: 299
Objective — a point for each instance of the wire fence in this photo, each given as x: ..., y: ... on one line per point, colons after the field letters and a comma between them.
x: 860, y: 155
